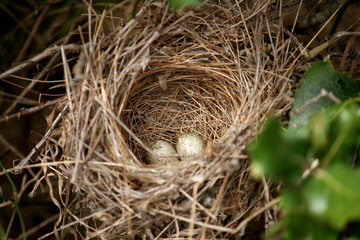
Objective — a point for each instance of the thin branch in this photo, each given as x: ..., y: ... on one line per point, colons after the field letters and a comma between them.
x: 38, y: 227
x: 10, y: 147
x: 24, y: 161
x: 33, y: 32
x: 19, y: 23
x: 30, y: 110
x: 255, y: 214
x: 311, y: 41
x: 47, y: 53
x: 323, y: 94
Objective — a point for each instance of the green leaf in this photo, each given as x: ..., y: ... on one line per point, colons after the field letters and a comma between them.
x: 335, y: 133
x: 331, y: 135
x: 333, y: 196
x: 323, y: 205
x: 321, y: 75
x: 177, y: 4
x: 326, y: 203
x: 279, y: 154
x: 301, y: 227
x: 298, y: 223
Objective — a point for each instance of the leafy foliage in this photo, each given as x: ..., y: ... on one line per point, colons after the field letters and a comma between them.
x: 321, y: 76
x: 332, y: 195
x: 315, y: 161
x: 279, y: 153
x: 322, y: 205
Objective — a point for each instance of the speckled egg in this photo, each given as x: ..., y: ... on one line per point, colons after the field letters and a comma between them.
x: 161, y: 147
x: 191, y: 145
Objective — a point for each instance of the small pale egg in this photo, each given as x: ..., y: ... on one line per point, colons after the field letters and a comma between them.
x: 190, y: 145
x: 160, y: 147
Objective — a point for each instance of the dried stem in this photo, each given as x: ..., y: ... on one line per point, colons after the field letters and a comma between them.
x: 31, y: 110
x: 51, y: 51
x: 216, y: 71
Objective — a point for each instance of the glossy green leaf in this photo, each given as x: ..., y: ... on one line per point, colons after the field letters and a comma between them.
x: 326, y: 201
x: 278, y: 154
x: 321, y: 202
x: 298, y: 223
x: 323, y: 205
x: 333, y: 196
x: 320, y: 75
x: 335, y: 133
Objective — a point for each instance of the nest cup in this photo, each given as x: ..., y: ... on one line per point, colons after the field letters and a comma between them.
x: 215, y: 71
x: 171, y: 100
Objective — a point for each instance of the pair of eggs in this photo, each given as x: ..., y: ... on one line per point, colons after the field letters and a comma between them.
x: 188, y: 146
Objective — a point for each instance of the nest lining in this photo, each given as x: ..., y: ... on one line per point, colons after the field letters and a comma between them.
x: 166, y: 104
x: 159, y: 75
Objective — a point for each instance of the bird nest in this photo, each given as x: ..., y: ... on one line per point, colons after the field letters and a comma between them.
x: 216, y: 71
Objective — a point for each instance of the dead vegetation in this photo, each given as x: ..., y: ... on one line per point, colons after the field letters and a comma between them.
x: 216, y: 70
